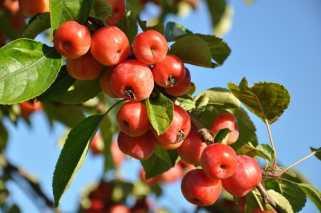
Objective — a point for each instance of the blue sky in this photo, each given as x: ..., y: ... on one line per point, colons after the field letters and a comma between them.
x: 277, y: 41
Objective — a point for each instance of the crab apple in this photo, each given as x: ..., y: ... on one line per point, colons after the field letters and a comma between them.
x: 105, y: 84
x: 33, y: 7
x: 150, y: 47
x: 29, y: 107
x: 72, y: 39
x: 103, y: 191
x: 186, y: 166
x: 96, y: 145
x: 17, y: 21
x: 177, y: 131
x: 192, y: 148
x: 141, y: 147
x: 110, y: 46
x: 226, y: 120
x: 200, y: 189
x: 219, y: 161
x: 172, y: 175
x: 182, y: 87
x: 84, y: 67
x: 95, y: 206
x: 11, y: 6
x: 118, y: 208
x: 149, y: 181
x: 118, y: 11
x: 132, y: 80
x: 169, y: 71
x: 247, y: 176
x: 132, y: 119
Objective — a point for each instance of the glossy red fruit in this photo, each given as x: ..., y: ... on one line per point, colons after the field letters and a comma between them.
x: 95, y: 206
x: 84, y: 68
x: 141, y: 147
x: 226, y: 121
x: 96, y: 145
x: 118, y: 208
x: 72, y: 39
x: 247, y: 176
x: 169, y: 71
x: 186, y: 166
x: 132, y: 119
x: 105, y: 84
x: 200, y: 189
x: 172, y: 175
x: 33, y: 7
x: 29, y: 107
x: 118, y: 11
x: 192, y: 148
x: 110, y: 46
x: 177, y: 131
x: 182, y: 87
x: 11, y: 6
x: 150, y: 47
x: 219, y: 161
x: 132, y: 80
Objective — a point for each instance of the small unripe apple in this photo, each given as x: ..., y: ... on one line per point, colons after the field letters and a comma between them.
x: 72, y: 39
x: 150, y: 47
x: 247, y: 176
x: 219, y: 161
x: 110, y: 46
x: 132, y: 80
x: 132, y: 119
x: 200, y: 189
x: 177, y: 131
x: 192, y: 148
x: 84, y: 68
x: 169, y: 71
x: 141, y: 147
x: 226, y: 121
x: 118, y: 11
x: 33, y: 7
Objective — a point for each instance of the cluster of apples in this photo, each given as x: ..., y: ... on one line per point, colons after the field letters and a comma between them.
x: 100, y: 200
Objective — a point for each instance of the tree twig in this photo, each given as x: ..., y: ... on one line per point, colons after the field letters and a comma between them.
x: 269, y: 130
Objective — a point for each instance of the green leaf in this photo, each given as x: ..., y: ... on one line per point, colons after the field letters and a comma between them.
x: 4, y: 136
x: 160, y: 112
x: 72, y: 152
x: 313, y: 193
x: 107, y: 129
x: 220, y: 136
x: 266, y: 100
x: 159, y: 162
x: 69, y: 115
x: 216, y: 9
x: 264, y: 151
x: 217, y: 96
x: 318, y: 152
x: 186, y: 102
x: 174, y: 30
x: 101, y: 10
x: 37, y: 25
x: 27, y: 69
x: 79, y: 92
x: 282, y: 203
x: 64, y: 10
x: 201, y: 50
x: 290, y: 191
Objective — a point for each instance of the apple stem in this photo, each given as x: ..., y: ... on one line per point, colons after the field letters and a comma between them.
x: 269, y: 130
x: 205, y: 133
x: 296, y: 163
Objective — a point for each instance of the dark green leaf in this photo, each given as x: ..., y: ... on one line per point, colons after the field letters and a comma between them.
x: 64, y: 10
x: 216, y: 9
x: 37, y: 25
x: 160, y: 112
x: 29, y: 73
x: 313, y: 193
x: 69, y: 115
x: 318, y: 152
x: 220, y: 136
x: 264, y: 151
x: 174, y: 30
x: 101, y: 10
x: 186, y: 102
x: 73, y: 151
x: 159, y: 162
x: 4, y: 136
x: 266, y: 100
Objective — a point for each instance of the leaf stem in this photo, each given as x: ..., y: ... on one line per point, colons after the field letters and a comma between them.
x: 265, y: 196
x: 296, y: 163
x: 269, y: 130
x: 114, y: 105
